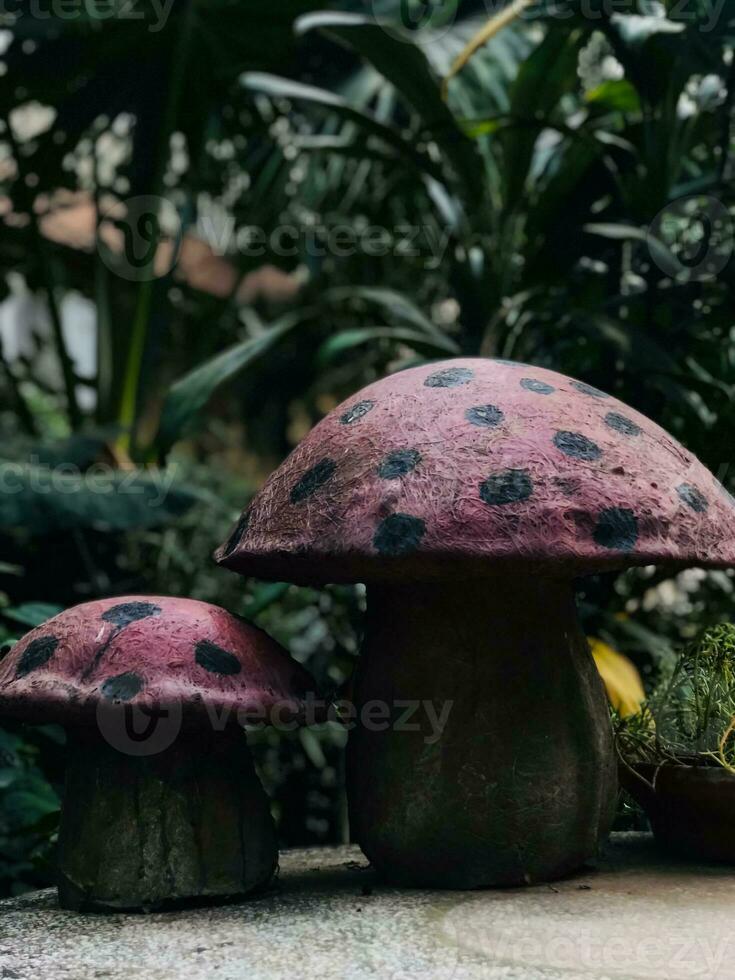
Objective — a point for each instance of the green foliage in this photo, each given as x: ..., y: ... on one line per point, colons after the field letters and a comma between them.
x: 30, y: 614
x: 191, y: 393
x: 28, y: 811
x: 690, y: 717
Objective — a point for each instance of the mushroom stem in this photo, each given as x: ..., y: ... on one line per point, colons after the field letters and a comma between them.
x: 189, y: 824
x: 517, y: 782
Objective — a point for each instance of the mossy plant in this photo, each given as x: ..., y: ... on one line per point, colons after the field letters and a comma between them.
x: 690, y: 717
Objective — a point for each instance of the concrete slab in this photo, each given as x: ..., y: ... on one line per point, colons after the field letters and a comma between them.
x: 638, y: 916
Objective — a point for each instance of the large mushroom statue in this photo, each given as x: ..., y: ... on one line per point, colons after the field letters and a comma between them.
x: 162, y: 804
x: 468, y: 495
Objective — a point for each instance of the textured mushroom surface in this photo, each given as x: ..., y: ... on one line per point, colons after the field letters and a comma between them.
x: 430, y: 472
x: 152, y: 652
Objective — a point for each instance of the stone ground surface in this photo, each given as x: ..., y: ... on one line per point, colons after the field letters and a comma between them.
x: 637, y: 916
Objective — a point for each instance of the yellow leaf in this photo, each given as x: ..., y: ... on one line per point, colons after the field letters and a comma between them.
x: 620, y: 677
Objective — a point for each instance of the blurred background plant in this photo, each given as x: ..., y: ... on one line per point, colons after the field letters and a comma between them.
x: 216, y: 223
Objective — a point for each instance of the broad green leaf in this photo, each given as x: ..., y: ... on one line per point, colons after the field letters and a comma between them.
x: 190, y: 394
x: 82, y: 450
x: 483, y: 127
x: 547, y: 74
x: 349, y: 339
x: 263, y: 597
x: 636, y: 30
x: 622, y: 232
x: 643, y: 638
x: 577, y: 156
x: 277, y: 87
x: 32, y: 613
x: 8, y: 776
x: 45, y: 825
x: 397, y: 306
x: 403, y: 63
x: 634, y: 344
x: 312, y: 748
x: 683, y: 391
x: 619, y: 232
x: 615, y: 94
x: 31, y: 794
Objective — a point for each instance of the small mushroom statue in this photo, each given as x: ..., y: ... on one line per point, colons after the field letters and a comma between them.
x: 468, y: 495
x: 162, y: 805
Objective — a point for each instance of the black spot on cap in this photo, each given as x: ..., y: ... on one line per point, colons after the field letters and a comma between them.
x: 398, y: 463
x: 130, y: 612
x: 506, y: 487
x: 538, y: 387
x: 237, y: 535
x: 488, y: 416
x: 589, y: 390
x: 507, y: 363
x: 692, y: 497
x: 216, y: 660
x: 622, y: 424
x: 617, y: 529
x: 36, y: 654
x: 576, y: 445
x: 449, y: 378
x: 357, y: 412
x: 399, y: 534
x: 124, y: 687
x: 312, y: 480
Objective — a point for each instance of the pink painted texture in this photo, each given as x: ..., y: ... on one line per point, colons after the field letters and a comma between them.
x: 671, y: 505
x: 160, y: 652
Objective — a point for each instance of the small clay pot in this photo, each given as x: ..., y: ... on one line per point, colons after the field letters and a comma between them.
x: 691, y: 807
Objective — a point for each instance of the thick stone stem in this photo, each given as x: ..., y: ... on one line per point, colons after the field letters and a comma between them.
x: 188, y: 825
x: 518, y: 783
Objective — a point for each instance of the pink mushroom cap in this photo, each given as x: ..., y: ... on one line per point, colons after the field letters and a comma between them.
x: 153, y: 652
x: 473, y: 466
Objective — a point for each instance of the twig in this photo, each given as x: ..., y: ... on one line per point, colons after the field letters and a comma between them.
x: 25, y: 415
x: 727, y: 110
x: 723, y: 742
x: 65, y: 361
x: 127, y: 416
